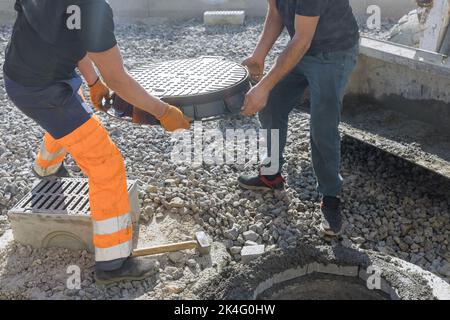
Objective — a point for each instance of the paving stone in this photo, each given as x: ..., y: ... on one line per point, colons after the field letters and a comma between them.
x: 250, y: 253
x: 224, y: 17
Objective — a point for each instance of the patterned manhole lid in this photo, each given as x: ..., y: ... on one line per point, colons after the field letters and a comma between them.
x: 202, y: 87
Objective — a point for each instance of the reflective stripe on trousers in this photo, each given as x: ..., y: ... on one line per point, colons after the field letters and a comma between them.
x: 50, y: 157
x: 122, y: 250
x: 113, y: 238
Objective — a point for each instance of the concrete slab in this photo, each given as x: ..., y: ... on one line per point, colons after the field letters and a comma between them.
x: 405, y: 80
x: 224, y: 17
x: 56, y: 214
x: 250, y: 253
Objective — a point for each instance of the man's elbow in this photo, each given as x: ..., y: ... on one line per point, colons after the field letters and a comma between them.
x: 302, y: 44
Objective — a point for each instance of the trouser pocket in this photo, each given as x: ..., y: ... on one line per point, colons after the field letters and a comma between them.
x: 57, y: 108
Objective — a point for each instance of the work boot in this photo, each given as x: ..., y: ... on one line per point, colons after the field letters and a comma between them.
x: 261, y: 183
x: 61, y: 173
x: 137, y: 268
x: 332, y: 218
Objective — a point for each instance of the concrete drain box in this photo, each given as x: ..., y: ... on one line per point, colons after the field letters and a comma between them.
x: 56, y: 213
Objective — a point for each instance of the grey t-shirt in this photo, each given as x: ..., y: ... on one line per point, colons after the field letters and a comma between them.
x: 337, y: 28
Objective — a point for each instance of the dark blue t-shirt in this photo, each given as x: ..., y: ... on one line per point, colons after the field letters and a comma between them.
x: 337, y: 28
x: 45, y: 47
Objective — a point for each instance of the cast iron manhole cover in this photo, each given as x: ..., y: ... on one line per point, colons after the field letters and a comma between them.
x: 203, y: 88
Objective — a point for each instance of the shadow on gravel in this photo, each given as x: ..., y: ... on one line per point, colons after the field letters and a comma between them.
x: 59, y: 274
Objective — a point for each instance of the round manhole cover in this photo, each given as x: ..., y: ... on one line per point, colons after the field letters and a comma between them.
x: 203, y: 88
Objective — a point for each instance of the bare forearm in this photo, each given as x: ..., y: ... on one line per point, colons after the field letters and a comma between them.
x: 288, y: 59
x: 87, y: 70
x: 273, y: 27
x: 110, y: 65
x: 128, y: 89
x: 257, y: 98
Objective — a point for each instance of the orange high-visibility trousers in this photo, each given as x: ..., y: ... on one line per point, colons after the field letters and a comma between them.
x: 101, y: 161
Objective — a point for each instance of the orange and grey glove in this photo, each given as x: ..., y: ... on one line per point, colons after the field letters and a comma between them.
x: 99, y: 91
x: 173, y: 119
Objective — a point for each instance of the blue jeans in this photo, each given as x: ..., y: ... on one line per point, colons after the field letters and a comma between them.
x: 326, y: 75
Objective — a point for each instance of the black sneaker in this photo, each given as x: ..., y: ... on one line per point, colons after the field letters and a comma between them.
x: 133, y: 269
x: 61, y: 173
x: 261, y: 183
x: 332, y: 218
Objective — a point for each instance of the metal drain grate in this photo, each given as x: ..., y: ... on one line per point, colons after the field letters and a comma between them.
x: 202, y: 88
x: 69, y: 196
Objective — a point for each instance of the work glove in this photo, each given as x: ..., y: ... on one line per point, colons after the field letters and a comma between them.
x: 173, y: 119
x: 99, y: 91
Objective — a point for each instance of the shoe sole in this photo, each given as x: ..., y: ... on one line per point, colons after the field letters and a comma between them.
x: 108, y: 282
x: 256, y: 188
x: 55, y: 175
x: 329, y: 233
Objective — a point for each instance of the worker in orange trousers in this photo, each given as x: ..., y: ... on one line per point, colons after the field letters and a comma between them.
x: 50, y: 39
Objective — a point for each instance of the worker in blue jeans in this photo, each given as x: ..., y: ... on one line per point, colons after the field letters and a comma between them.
x: 321, y: 55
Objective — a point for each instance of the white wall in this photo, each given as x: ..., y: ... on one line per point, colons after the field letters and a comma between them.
x: 392, y: 9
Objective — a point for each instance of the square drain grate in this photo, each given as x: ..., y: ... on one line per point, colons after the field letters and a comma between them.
x: 68, y: 196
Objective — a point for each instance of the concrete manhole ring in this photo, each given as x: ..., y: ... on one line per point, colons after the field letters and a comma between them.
x: 324, y: 272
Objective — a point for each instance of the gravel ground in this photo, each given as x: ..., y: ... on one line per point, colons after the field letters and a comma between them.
x: 389, y: 205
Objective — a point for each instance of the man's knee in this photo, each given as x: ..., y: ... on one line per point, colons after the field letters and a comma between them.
x: 92, y: 148
x: 102, y: 158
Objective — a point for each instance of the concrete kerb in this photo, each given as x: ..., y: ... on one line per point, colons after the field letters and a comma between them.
x: 400, y: 280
